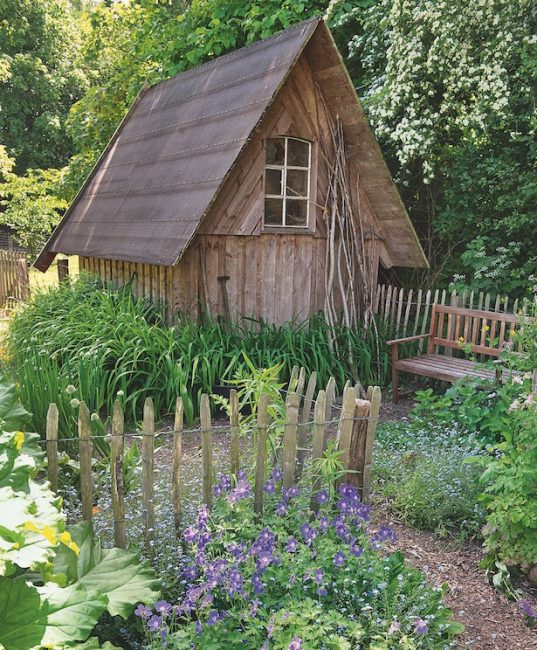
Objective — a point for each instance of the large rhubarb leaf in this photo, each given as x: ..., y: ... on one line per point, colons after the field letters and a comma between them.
x: 12, y: 412
x: 22, y: 625
x: 115, y: 572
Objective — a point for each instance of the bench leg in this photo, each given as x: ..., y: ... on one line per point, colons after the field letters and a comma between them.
x: 395, y: 384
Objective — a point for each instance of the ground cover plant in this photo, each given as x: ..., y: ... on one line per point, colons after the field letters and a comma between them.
x: 55, y: 581
x: 423, y: 475
x: 287, y: 580
x: 85, y: 341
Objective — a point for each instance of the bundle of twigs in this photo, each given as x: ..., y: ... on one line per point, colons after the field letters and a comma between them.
x: 349, y: 290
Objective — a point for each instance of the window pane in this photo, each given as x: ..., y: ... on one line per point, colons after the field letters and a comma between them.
x: 275, y: 151
x: 273, y: 212
x: 298, y: 153
x: 273, y: 182
x: 297, y: 182
x: 296, y: 213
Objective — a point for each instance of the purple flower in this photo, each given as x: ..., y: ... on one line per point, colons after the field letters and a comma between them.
x: 322, y: 497
x: 420, y: 626
x: 154, y: 623
x: 142, y: 611
x: 296, y: 643
x: 321, y: 591
x: 199, y: 627
x: 235, y: 582
x: 163, y: 608
x: 281, y: 509
x: 257, y: 584
x: 276, y: 475
x: 339, y: 559
x: 356, y: 550
x: 318, y: 576
x: 242, y: 491
x: 269, y: 487
x: 324, y: 524
x: 527, y: 609
x: 308, y: 533
x: 264, y: 558
x: 190, y: 573
x: 190, y: 534
x: 213, y: 618
x: 292, y: 545
x: 254, y: 607
x: 394, y: 627
x: 384, y: 534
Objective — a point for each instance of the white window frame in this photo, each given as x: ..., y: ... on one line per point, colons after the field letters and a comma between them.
x: 284, y: 168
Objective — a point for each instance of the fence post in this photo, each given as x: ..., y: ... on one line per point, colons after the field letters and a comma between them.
x: 289, y: 439
x: 358, y: 443
x: 85, y: 449
x: 234, y: 422
x: 374, y: 409
x: 346, y: 423
x: 330, y: 397
x: 148, y: 470
x: 52, y: 446
x: 262, y: 424
x: 293, y: 380
x: 206, y: 450
x: 301, y: 383
x: 304, y: 419
x: 116, y: 473
x: 176, y: 463
x: 318, y: 445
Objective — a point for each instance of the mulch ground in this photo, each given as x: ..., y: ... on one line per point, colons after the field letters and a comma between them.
x: 491, y: 620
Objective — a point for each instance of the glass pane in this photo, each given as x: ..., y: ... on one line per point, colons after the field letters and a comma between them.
x: 273, y: 181
x: 296, y: 212
x: 275, y: 151
x: 297, y: 182
x: 273, y: 212
x: 298, y: 153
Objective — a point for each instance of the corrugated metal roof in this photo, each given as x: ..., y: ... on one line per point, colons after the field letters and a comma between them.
x: 162, y: 169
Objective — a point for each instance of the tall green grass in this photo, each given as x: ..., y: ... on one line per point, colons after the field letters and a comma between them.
x: 102, y: 341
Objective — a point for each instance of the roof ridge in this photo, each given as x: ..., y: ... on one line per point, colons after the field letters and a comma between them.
x: 296, y: 26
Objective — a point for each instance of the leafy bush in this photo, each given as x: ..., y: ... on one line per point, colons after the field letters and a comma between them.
x: 100, y: 341
x: 424, y: 474
x: 54, y: 583
x: 285, y: 580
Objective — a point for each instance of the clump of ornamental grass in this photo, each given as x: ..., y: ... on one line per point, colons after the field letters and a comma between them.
x: 288, y: 579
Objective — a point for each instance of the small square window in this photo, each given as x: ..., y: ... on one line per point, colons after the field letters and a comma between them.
x: 276, y: 151
x: 298, y: 153
x: 273, y: 182
x: 297, y: 182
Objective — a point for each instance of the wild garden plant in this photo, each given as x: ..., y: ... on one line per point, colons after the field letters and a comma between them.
x: 287, y: 580
x: 102, y: 341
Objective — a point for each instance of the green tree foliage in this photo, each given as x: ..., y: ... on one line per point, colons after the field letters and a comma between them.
x: 39, y: 80
x: 450, y: 89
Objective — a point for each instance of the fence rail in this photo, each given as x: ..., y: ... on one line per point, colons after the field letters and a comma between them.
x: 14, y: 277
x: 356, y: 425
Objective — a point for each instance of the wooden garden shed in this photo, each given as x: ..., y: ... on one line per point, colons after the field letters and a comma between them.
x: 251, y: 185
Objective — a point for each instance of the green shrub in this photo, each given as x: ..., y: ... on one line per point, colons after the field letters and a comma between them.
x: 97, y: 342
x: 425, y: 476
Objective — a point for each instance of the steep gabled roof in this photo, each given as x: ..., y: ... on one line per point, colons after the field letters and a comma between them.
x: 164, y: 166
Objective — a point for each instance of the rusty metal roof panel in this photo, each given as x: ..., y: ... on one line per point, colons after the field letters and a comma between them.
x: 163, y: 168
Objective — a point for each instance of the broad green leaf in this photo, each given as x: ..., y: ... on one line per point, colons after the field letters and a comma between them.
x: 12, y: 412
x: 115, y: 572
x: 21, y: 623
x: 70, y: 613
x: 93, y: 644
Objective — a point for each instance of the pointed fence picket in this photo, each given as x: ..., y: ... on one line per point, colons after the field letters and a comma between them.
x: 303, y: 435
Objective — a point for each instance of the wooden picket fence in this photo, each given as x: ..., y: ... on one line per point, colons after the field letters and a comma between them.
x: 408, y: 311
x: 14, y: 277
x: 356, y: 426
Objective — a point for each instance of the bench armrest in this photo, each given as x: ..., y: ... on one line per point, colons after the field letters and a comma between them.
x: 409, y: 339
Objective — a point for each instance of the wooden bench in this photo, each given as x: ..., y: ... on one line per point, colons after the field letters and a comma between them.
x: 454, y: 328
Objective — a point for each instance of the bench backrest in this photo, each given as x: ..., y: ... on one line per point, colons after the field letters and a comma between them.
x: 483, y: 332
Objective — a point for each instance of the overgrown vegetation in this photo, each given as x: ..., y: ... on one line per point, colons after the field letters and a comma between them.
x: 81, y: 341
x: 55, y: 582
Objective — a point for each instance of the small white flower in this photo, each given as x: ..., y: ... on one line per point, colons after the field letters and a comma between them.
x: 75, y: 403
x: 70, y: 389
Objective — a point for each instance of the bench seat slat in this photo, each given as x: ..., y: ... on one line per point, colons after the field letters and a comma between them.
x: 444, y: 368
